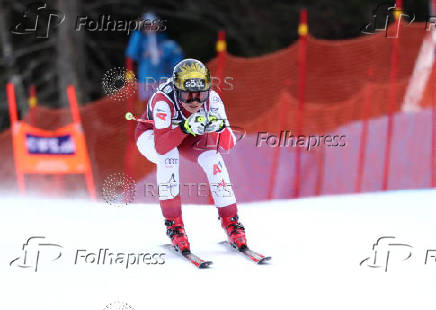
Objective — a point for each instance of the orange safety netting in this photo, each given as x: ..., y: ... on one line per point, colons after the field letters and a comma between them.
x: 337, y: 74
x: 264, y: 89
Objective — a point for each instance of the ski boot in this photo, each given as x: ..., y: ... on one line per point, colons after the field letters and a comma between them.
x: 176, y: 232
x: 235, y: 232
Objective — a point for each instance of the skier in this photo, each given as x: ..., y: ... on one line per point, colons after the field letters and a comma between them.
x: 186, y: 114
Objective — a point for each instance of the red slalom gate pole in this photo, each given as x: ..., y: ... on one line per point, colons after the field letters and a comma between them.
x: 302, y: 47
x: 33, y: 101
x: 128, y: 157
x: 13, y: 116
x: 433, y: 144
x: 392, y: 98
x: 131, y: 126
x: 364, y: 134
x: 74, y: 108
x: 221, y: 47
x: 320, y: 173
x: 273, y: 174
x: 276, y: 155
x: 10, y: 92
x: 433, y: 130
x: 129, y: 151
x: 433, y: 122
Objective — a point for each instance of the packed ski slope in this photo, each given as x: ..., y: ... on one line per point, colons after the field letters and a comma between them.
x: 321, y: 248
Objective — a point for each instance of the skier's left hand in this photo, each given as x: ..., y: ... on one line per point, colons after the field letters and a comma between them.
x: 215, y: 123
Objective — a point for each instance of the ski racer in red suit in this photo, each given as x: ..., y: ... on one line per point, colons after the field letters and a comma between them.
x: 187, y: 114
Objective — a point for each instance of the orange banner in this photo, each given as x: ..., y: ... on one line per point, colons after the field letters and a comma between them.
x: 56, y: 152
x: 39, y: 151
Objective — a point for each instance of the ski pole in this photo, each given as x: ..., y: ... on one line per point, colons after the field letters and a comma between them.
x: 129, y: 116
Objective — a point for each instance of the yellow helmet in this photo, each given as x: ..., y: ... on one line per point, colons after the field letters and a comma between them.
x: 191, y: 75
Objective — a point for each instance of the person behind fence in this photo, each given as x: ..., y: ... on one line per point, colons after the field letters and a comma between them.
x: 187, y: 114
x: 154, y: 53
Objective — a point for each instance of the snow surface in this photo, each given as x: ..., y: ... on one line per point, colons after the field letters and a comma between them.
x: 317, y: 246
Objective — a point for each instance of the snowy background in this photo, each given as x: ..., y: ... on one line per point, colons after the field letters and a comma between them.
x: 317, y: 247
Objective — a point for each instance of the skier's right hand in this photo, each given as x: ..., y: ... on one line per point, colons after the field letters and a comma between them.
x: 194, y: 124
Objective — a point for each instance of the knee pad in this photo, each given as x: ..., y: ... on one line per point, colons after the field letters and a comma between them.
x: 167, y: 174
x: 145, y: 144
x: 219, y: 181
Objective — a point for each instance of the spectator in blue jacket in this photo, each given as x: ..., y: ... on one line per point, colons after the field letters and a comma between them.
x: 155, y: 55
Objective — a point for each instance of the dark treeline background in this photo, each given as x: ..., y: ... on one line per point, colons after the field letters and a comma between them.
x: 253, y: 27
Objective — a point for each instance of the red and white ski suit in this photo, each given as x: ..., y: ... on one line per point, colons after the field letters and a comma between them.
x: 163, y: 142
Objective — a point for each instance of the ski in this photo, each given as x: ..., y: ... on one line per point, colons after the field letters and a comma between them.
x: 191, y: 257
x: 197, y: 261
x: 247, y: 252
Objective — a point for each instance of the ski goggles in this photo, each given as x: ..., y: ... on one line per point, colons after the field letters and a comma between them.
x: 189, y: 97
